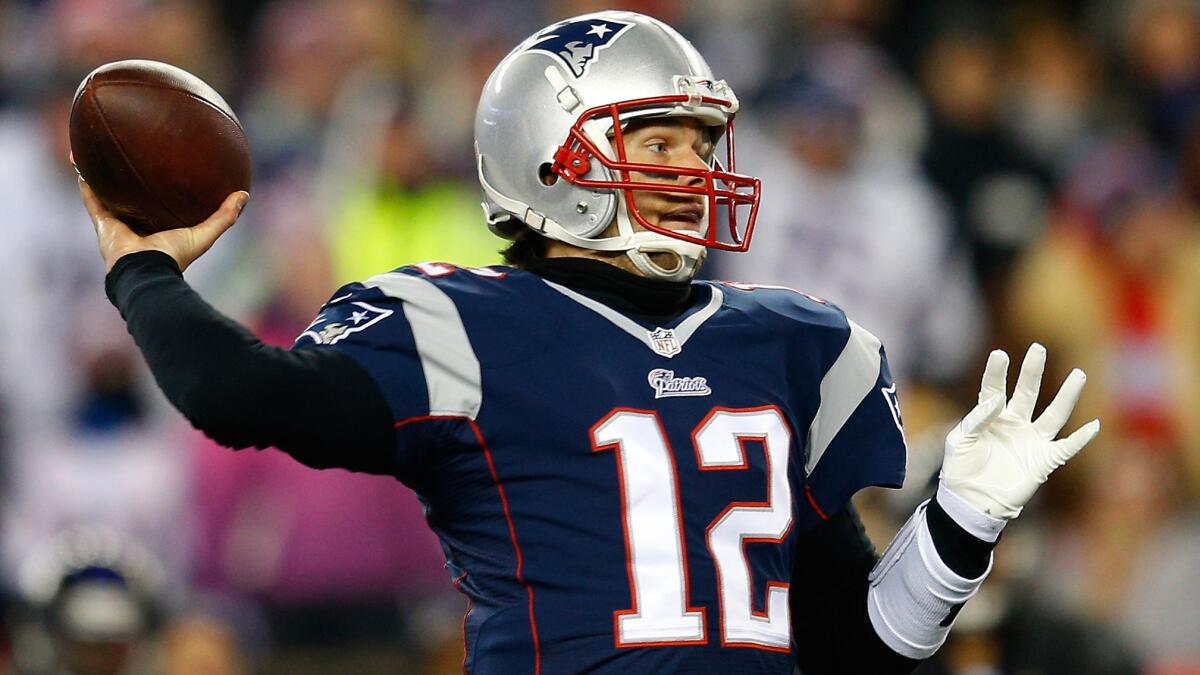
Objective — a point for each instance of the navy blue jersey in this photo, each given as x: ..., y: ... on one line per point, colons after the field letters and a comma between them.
x: 614, y: 495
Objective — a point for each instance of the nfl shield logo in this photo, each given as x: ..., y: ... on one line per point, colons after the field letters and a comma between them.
x: 663, y: 341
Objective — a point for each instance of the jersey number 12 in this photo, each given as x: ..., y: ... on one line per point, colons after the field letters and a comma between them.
x: 654, y: 541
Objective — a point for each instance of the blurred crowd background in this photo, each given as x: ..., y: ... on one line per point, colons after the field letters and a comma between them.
x: 958, y: 175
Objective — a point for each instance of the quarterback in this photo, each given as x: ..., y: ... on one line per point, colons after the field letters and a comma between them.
x: 630, y: 471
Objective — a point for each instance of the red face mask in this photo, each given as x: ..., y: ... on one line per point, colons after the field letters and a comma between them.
x: 725, y: 190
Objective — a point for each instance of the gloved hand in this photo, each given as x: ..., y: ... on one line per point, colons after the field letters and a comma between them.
x: 998, y: 455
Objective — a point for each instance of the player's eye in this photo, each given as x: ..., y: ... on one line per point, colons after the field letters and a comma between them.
x: 657, y: 146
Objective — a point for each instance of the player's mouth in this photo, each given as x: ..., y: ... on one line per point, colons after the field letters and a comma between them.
x: 683, y: 217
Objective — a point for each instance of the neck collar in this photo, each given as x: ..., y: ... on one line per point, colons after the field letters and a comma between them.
x: 615, y: 287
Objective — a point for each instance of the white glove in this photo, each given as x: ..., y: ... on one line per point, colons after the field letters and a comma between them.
x: 997, y: 456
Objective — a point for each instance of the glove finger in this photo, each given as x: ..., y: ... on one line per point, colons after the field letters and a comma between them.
x: 1055, y: 416
x: 1062, y: 451
x: 995, y: 376
x: 1028, y: 382
x: 980, y: 416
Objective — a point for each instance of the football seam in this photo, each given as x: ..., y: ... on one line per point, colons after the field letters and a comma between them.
x: 137, y: 174
x: 138, y: 83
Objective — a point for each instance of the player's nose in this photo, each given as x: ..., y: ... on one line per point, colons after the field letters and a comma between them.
x: 692, y: 160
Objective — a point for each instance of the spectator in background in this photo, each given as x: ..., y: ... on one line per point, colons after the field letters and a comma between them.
x: 96, y: 601
x: 302, y: 59
x: 271, y: 269
x: 868, y: 235
x: 91, y: 448
x: 306, y: 52
x: 199, y: 645
x: 837, y: 41
x: 9, y: 615
x: 9, y: 22
x: 87, y: 440
x: 1163, y: 43
x: 1142, y: 552
x: 1053, y: 104
x: 442, y: 93
x: 340, y: 567
x: 736, y: 38
x: 316, y: 118
x: 997, y: 191
x: 405, y: 208
x: 1116, y: 282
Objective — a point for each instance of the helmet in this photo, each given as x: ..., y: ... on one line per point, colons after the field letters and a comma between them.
x: 94, y: 584
x: 555, y: 108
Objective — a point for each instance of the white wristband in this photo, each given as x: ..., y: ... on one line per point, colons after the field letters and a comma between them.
x: 913, y: 592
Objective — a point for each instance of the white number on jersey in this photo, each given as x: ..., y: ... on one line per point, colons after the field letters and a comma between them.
x: 654, y: 539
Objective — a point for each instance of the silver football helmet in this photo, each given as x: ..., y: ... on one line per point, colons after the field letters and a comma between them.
x: 550, y: 154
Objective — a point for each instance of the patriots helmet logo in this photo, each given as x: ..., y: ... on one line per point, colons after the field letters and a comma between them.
x: 578, y: 43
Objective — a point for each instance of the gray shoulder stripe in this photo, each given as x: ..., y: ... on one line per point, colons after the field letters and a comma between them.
x: 452, y: 372
x: 845, y: 385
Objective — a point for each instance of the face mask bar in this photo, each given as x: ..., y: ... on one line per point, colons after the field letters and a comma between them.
x: 572, y: 161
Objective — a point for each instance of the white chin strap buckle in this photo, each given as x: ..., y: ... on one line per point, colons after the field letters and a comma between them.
x: 685, y: 255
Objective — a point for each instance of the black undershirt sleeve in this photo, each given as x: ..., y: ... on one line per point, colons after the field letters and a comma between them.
x: 319, y: 406
x: 828, y: 597
x: 963, y: 553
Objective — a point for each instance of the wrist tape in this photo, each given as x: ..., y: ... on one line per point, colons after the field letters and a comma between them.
x: 914, y: 596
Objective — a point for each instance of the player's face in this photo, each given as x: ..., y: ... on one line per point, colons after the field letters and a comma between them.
x: 678, y: 142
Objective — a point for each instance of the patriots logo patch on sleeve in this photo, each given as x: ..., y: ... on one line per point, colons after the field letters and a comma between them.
x: 578, y: 43
x: 337, y: 323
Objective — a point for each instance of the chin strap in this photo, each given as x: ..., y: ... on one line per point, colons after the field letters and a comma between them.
x: 685, y: 264
x: 686, y: 256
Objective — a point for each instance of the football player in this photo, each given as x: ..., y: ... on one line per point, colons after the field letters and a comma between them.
x: 630, y: 471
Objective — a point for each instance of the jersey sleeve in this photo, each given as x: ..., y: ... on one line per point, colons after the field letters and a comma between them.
x: 856, y: 437
x: 407, y: 335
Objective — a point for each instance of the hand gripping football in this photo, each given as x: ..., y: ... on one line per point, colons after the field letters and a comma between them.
x: 160, y: 147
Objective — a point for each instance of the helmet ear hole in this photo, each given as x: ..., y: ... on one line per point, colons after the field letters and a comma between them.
x: 546, y: 174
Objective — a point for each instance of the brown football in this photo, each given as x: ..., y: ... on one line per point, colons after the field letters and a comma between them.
x: 160, y: 147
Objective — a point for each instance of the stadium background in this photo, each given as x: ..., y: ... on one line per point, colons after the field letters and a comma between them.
x: 957, y: 175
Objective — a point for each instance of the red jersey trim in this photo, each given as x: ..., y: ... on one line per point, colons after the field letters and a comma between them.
x: 512, y: 528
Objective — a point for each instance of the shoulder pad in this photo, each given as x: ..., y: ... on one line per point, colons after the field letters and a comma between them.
x: 787, y: 302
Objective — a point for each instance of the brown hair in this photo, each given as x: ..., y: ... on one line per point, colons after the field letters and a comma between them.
x: 528, y: 248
